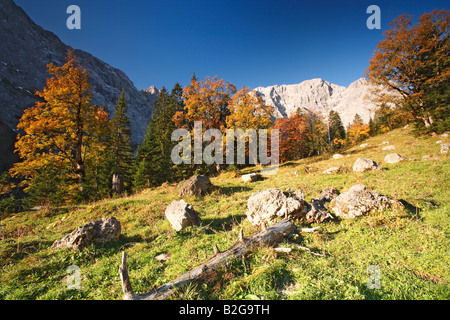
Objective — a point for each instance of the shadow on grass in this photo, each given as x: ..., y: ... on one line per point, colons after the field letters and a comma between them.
x: 223, y: 224
x: 411, y: 209
x: 230, y: 190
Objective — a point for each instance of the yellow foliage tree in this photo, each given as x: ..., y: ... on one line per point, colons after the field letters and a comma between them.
x: 63, y: 130
x: 248, y: 111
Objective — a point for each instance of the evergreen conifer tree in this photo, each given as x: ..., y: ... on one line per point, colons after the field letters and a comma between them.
x: 122, y: 153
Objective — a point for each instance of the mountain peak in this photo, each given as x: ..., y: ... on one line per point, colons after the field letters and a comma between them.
x: 321, y: 96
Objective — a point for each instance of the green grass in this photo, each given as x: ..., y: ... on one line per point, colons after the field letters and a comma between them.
x: 410, y: 246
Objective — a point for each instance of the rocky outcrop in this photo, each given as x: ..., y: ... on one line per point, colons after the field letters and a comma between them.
x: 100, y: 231
x: 358, y: 201
x: 181, y: 214
x: 320, y: 96
x: 332, y: 170
x: 318, y: 209
x: 251, y: 177
x: 268, y: 205
x: 393, y: 158
x: 364, y: 164
x: 195, y: 185
x: 27, y: 49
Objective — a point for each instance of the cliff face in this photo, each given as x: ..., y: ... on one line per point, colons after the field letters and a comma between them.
x: 27, y: 49
x: 320, y: 96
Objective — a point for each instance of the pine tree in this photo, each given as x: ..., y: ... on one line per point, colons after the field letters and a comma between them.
x: 122, y: 153
x: 153, y: 160
x: 336, y: 130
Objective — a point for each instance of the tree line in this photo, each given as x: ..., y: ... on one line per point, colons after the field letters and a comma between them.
x: 72, y: 150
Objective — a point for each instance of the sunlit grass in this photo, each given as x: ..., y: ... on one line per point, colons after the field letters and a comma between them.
x: 409, y: 245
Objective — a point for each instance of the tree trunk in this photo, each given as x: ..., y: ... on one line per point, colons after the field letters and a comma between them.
x: 268, y: 236
x: 117, y: 183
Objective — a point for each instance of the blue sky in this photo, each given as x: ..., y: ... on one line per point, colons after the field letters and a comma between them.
x: 245, y: 42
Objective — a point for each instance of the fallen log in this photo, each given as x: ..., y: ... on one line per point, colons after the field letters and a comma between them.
x: 268, y: 236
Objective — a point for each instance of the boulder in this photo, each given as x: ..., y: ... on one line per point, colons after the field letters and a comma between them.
x: 337, y: 156
x: 195, y: 185
x: 364, y: 164
x: 388, y: 148
x: 358, y: 201
x: 363, y: 145
x: 393, y: 158
x: 181, y: 214
x: 100, y: 231
x: 251, y: 177
x: 445, y: 147
x: 267, y: 205
x: 331, y: 170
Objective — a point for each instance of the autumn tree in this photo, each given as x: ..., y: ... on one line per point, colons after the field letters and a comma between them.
x: 357, y: 130
x: 317, y: 132
x: 205, y: 101
x: 295, y: 139
x: 247, y: 112
x: 413, y: 61
x: 63, y: 130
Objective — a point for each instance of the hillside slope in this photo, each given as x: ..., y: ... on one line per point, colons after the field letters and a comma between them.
x: 408, y: 246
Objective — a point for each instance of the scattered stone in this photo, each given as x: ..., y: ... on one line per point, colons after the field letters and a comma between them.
x: 252, y: 177
x: 363, y: 145
x: 439, y: 142
x: 181, y: 214
x: 37, y: 208
x: 384, y: 142
x: 332, y: 170
x: 358, y: 201
x: 388, y: 148
x: 445, y: 135
x: 426, y: 157
x: 195, y: 185
x: 445, y: 147
x: 100, y: 231
x: 364, y: 164
x: 393, y: 158
x: 267, y: 205
x: 318, y: 211
x: 163, y: 257
x: 337, y: 156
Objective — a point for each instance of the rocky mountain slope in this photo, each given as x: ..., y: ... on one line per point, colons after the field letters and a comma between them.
x: 27, y: 49
x: 320, y: 96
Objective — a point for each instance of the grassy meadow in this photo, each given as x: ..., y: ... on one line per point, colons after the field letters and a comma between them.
x: 409, y: 246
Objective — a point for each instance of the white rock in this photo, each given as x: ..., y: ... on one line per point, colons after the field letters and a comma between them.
x: 363, y: 145
x: 393, y: 158
x: 337, y: 156
x: 251, y: 177
x: 364, y: 164
x: 331, y: 170
x: 388, y: 148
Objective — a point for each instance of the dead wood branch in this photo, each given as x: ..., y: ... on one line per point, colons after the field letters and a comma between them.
x: 270, y: 237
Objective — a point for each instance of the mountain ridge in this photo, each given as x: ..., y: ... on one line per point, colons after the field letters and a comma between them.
x: 321, y: 96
